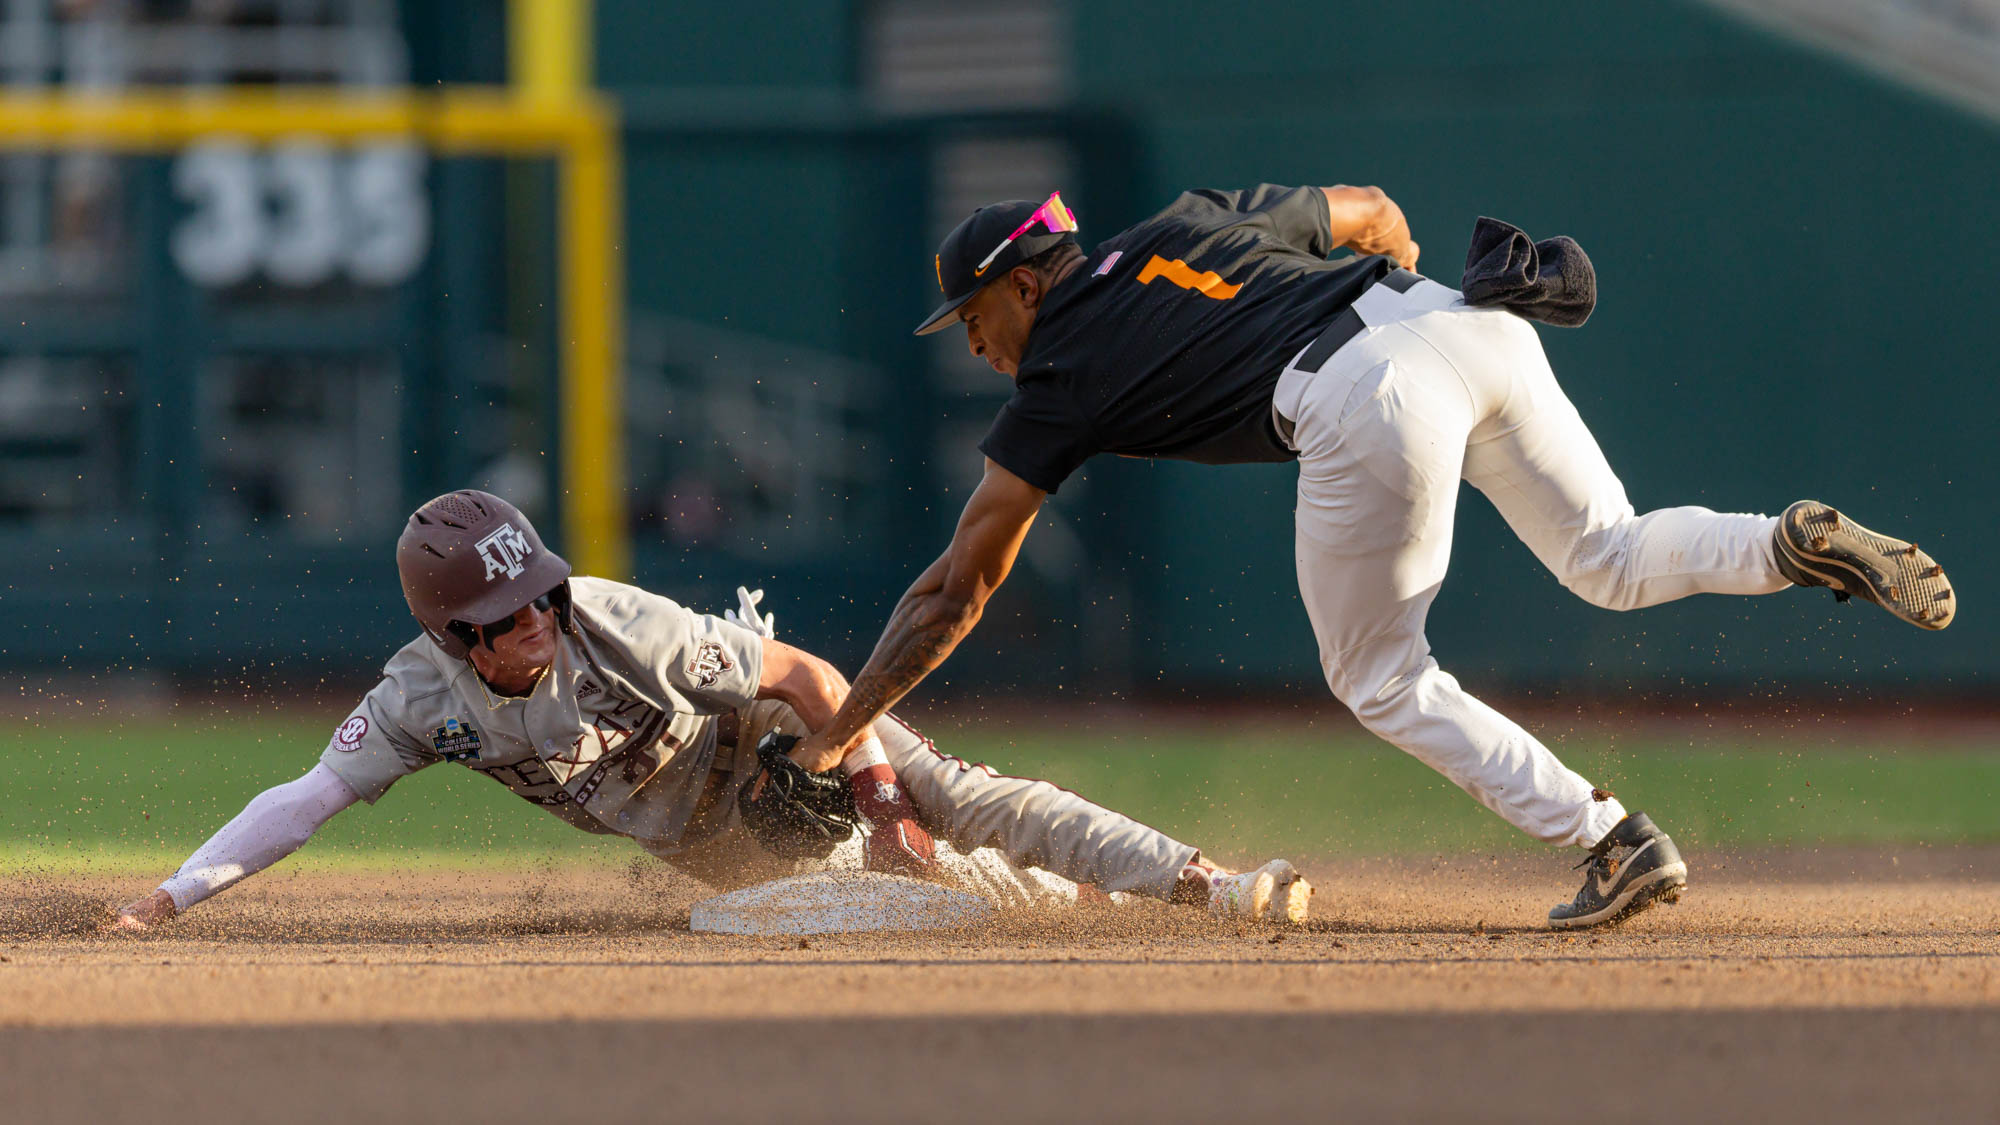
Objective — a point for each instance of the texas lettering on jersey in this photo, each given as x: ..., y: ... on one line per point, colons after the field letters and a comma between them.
x: 622, y: 736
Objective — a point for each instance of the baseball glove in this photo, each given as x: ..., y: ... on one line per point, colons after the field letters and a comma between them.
x: 796, y: 814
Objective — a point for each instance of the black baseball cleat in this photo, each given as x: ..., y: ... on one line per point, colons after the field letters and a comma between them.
x: 1817, y: 546
x: 1633, y: 867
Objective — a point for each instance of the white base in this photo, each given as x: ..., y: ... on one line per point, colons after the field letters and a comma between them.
x: 837, y: 902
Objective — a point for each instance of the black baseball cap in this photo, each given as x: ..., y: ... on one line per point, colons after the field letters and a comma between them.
x: 993, y: 235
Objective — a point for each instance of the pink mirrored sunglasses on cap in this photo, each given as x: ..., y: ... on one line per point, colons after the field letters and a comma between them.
x: 1051, y: 214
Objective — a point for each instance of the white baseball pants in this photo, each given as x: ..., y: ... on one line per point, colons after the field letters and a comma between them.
x: 1428, y: 392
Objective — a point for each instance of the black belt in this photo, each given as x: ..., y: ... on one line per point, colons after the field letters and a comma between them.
x: 1348, y: 325
x: 1345, y: 327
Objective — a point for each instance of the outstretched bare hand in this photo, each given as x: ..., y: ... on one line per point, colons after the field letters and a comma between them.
x: 143, y: 915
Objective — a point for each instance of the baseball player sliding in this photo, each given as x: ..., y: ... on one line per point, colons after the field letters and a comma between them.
x: 624, y: 713
x: 1217, y: 331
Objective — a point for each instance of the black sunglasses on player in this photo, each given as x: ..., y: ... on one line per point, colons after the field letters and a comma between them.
x: 505, y: 625
x: 474, y: 635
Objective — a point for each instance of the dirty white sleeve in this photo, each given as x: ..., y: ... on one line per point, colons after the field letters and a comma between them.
x: 270, y: 827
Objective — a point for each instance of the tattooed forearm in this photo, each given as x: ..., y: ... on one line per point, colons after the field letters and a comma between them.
x: 920, y: 635
x: 940, y: 608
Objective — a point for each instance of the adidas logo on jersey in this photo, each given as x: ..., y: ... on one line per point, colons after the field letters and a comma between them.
x: 587, y: 689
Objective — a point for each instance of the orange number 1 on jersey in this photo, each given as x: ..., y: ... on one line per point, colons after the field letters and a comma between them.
x: 1207, y: 284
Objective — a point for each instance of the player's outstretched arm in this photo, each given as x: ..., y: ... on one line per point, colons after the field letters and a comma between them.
x: 272, y: 826
x: 939, y: 609
x: 814, y: 689
x: 1366, y: 221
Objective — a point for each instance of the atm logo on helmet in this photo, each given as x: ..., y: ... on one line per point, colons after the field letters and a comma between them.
x: 503, y: 551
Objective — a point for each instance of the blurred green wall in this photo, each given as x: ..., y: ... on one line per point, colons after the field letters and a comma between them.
x: 1791, y: 252
x: 1795, y: 261
x: 1793, y: 257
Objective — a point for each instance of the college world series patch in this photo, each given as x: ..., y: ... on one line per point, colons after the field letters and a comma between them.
x: 456, y: 741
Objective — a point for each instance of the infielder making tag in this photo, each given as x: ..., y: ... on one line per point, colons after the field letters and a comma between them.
x: 623, y: 713
x: 1216, y: 331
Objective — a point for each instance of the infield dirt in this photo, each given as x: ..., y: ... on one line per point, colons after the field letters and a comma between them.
x: 1832, y: 985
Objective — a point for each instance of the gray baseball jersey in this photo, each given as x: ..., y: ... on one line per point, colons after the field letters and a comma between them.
x: 617, y: 737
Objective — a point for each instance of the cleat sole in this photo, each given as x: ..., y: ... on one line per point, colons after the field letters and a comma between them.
x: 1830, y: 550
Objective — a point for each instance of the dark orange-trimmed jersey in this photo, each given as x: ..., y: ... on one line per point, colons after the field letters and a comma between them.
x: 1168, y: 341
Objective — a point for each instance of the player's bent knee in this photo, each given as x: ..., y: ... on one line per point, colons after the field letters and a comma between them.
x: 1386, y: 703
x: 1595, y: 568
x: 1603, y: 589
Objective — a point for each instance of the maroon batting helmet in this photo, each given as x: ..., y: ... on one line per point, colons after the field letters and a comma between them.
x: 469, y: 558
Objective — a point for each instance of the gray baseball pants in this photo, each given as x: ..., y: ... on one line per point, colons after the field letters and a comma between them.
x: 1019, y: 841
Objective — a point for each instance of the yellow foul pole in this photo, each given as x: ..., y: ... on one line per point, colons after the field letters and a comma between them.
x: 548, y: 43
x: 550, y: 48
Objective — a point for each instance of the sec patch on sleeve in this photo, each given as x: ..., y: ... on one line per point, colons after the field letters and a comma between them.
x: 348, y: 738
x: 708, y: 664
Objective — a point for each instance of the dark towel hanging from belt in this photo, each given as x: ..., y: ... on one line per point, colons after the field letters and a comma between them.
x: 1550, y: 281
